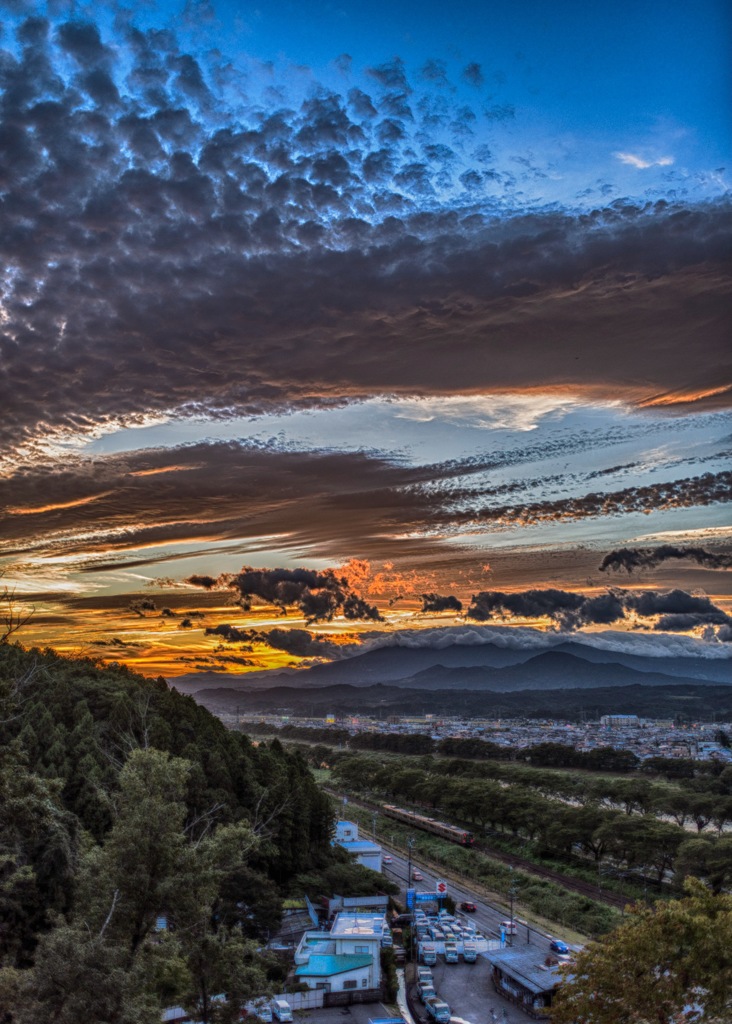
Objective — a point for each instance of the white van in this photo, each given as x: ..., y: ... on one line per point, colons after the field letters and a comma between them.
x: 260, y: 1008
x: 281, y: 1010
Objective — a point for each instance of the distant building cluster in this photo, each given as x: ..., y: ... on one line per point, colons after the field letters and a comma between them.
x: 644, y: 737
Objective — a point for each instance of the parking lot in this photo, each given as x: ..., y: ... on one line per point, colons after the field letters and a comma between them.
x: 468, y: 990
x: 359, y: 1013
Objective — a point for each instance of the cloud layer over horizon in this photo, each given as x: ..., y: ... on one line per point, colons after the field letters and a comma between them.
x: 312, y: 254
x: 400, y: 316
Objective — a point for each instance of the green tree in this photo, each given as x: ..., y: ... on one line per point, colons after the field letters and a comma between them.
x: 666, y: 964
x: 37, y: 854
x: 707, y: 857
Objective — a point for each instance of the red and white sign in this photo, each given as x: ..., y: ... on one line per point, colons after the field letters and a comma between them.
x: 441, y: 887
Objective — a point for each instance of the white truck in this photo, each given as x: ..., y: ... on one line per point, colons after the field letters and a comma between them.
x: 429, y: 954
x: 281, y: 1010
x: 438, y: 1010
x: 470, y: 952
x: 424, y: 974
x: 427, y: 991
x: 451, y: 953
x: 260, y: 1008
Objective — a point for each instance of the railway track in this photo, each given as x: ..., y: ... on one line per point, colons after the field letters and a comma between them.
x: 513, y: 860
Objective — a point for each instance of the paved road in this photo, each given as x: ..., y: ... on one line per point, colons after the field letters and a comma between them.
x: 486, y: 918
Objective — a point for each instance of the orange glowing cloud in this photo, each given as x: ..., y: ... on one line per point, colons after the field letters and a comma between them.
x: 681, y: 397
x: 157, y: 470
x: 75, y: 503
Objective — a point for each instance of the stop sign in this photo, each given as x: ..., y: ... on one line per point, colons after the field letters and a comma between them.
x: 441, y: 887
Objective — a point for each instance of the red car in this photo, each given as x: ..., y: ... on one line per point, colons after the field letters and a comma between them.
x: 469, y: 907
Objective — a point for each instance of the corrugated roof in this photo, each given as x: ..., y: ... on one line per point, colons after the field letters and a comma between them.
x: 527, y: 967
x: 323, y: 966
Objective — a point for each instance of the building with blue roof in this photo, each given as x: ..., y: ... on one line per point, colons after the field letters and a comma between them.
x: 345, y: 958
x: 339, y: 972
x: 365, y: 851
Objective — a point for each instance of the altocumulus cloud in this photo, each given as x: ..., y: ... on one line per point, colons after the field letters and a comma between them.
x: 106, y: 512
x: 172, y: 248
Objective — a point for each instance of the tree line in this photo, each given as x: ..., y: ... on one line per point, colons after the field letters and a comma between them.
x: 144, y: 849
x: 611, y: 825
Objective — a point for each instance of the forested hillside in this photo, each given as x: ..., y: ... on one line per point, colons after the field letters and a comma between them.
x: 121, y: 802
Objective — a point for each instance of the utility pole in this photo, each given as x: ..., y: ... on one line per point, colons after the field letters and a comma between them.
x: 374, y: 816
x: 512, y: 894
x: 410, y: 846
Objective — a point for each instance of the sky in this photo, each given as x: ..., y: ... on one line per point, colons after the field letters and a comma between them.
x: 322, y: 324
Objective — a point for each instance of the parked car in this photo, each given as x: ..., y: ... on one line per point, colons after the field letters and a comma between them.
x: 559, y: 947
x: 260, y: 1008
x: 468, y: 907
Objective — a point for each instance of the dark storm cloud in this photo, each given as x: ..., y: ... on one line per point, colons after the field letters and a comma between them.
x: 631, y: 559
x: 300, y: 643
x: 207, y: 582
x: 319, y: 596
x: 677, y: 609
x: 440, y: 603
x: 166, y: 254
x: 229, y: 633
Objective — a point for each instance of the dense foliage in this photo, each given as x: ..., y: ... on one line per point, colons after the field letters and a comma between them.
x: 121, y: 802
x: 630, y: 823
x: 671, y: 964
x: 541, y: 897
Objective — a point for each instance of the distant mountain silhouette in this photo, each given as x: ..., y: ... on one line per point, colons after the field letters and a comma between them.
x: 695, y: 700
x: 547, y: 671
x: 484, y: 666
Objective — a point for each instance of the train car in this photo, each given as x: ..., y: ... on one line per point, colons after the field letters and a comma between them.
x: 439, y: 828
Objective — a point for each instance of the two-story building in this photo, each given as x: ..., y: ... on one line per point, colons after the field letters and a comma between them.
x: 345, y: 959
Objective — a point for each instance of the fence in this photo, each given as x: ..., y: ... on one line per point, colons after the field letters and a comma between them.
x: 360, y: 995
x: 311, y: 1000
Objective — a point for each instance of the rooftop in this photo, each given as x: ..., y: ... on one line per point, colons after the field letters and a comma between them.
x: 526, y: 967
x: 358, y: 924
x: 325, y: 966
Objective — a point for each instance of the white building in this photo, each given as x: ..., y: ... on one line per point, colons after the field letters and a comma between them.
x: 365, y: 852
x: 344, y: 959
x: 620, y: 721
